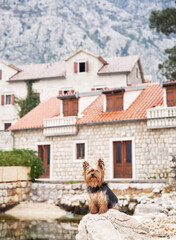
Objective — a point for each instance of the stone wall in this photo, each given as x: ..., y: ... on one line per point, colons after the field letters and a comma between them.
x: 74, y: 198
x: 151, y: 149
x: 6, y: 141
x: 12, y: 193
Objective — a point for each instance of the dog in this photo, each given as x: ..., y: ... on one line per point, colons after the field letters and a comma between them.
x: 101, y: 198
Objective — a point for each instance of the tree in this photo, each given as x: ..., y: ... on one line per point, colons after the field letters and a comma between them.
x: 164, y: 21
x: 30, y: 102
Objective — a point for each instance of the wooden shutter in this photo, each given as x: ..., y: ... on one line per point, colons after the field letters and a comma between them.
x: 109, y: 103
x: 2, y: 100
x: 74, y: 107
x: 87, y: 66
x: 65, y: 107
x: 118, y: 102
x: 114, y: 102
x: 171, y: 96
x: 0, y: 74
x: 75, y: 67
x: 13, y: 99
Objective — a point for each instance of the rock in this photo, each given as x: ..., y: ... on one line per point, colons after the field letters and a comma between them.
x: 144, y: 209
x: 112, y: 225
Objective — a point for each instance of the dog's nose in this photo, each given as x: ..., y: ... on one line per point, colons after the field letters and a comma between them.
x: 92, y: 174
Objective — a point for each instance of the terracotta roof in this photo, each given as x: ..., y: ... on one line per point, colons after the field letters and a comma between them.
x: 119, y: 64
x: 34, y: 119
x: 58, y: 69
x: 149, y: 97
x: 40, y: 71
x: 10, y: 65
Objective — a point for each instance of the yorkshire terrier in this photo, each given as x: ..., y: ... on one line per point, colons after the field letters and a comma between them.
x: 101, y: 198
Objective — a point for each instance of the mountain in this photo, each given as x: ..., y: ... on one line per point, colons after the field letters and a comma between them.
x: 46, y: 31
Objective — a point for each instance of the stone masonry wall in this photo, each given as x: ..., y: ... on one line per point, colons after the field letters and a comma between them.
x: 13, y: 192
x: 151, y: 149
x: 6, y: 141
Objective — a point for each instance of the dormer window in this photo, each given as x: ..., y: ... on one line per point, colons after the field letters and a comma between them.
x: 171, y: 96
x: 80, y: 66
x: 114, y: 100
x: 70, y: 107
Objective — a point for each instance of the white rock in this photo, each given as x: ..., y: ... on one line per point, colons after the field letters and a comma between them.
x: 113, y: 225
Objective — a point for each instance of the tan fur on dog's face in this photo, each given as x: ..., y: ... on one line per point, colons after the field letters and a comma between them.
x: 94, y: 176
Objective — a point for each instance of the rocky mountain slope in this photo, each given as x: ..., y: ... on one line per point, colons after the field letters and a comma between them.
x: 47, y: 31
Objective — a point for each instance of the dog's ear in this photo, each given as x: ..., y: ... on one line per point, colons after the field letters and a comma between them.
x: 85, y: 165
x: 101, y: 164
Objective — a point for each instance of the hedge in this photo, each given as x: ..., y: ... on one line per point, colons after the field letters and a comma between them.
x: 23, y: 157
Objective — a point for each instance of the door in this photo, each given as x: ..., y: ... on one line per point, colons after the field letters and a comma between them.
x: 122, y: 159
x: 44, y: 154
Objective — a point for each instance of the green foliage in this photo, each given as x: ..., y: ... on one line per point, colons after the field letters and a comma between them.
x: 23, y: 157
x: 30, y: 102
x: 164, y: 21
x: 168, y: 68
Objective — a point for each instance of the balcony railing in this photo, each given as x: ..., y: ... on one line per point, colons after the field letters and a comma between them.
x: 161, y: 117
x: 60, y: 126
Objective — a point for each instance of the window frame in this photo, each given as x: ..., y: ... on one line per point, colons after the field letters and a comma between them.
x: 77, y: 66
x: 75, y: 144
x: 6, y: 99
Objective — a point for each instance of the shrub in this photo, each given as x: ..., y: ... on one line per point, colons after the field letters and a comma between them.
x: 23, y: 157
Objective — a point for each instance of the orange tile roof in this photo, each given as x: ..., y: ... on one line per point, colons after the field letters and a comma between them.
x: 119, y: 64
x: 151, y: 96
x: 34, y: 119
x: 58, y: 69
x: 40, y: 71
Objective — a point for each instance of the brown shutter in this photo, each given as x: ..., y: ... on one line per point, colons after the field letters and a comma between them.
x: 118, y: 102
x: 171, y: 96
x: 74, y: 107
x: 13, y: 99
x: 109, y: 103
x: 65, y: 107
x: 2, y: 100
x: 75, y: 67
x: 0, y: 74
x: 87, y: 66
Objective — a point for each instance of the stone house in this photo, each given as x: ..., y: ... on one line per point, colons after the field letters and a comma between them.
x: 132, y: 128
x: 80, y: 72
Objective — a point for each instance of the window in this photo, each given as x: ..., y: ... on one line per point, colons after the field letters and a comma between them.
x: 80, y: 150
x: 7, y: 125
x: 80, y: 67
x: 70, y: 107
x: 171, y: 96
x: 44, y: 152
x: 0, y: 74
x: 7, y: 99
x: 114, y: 102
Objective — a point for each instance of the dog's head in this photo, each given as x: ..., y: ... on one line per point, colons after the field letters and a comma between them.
x: 94, y: 176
